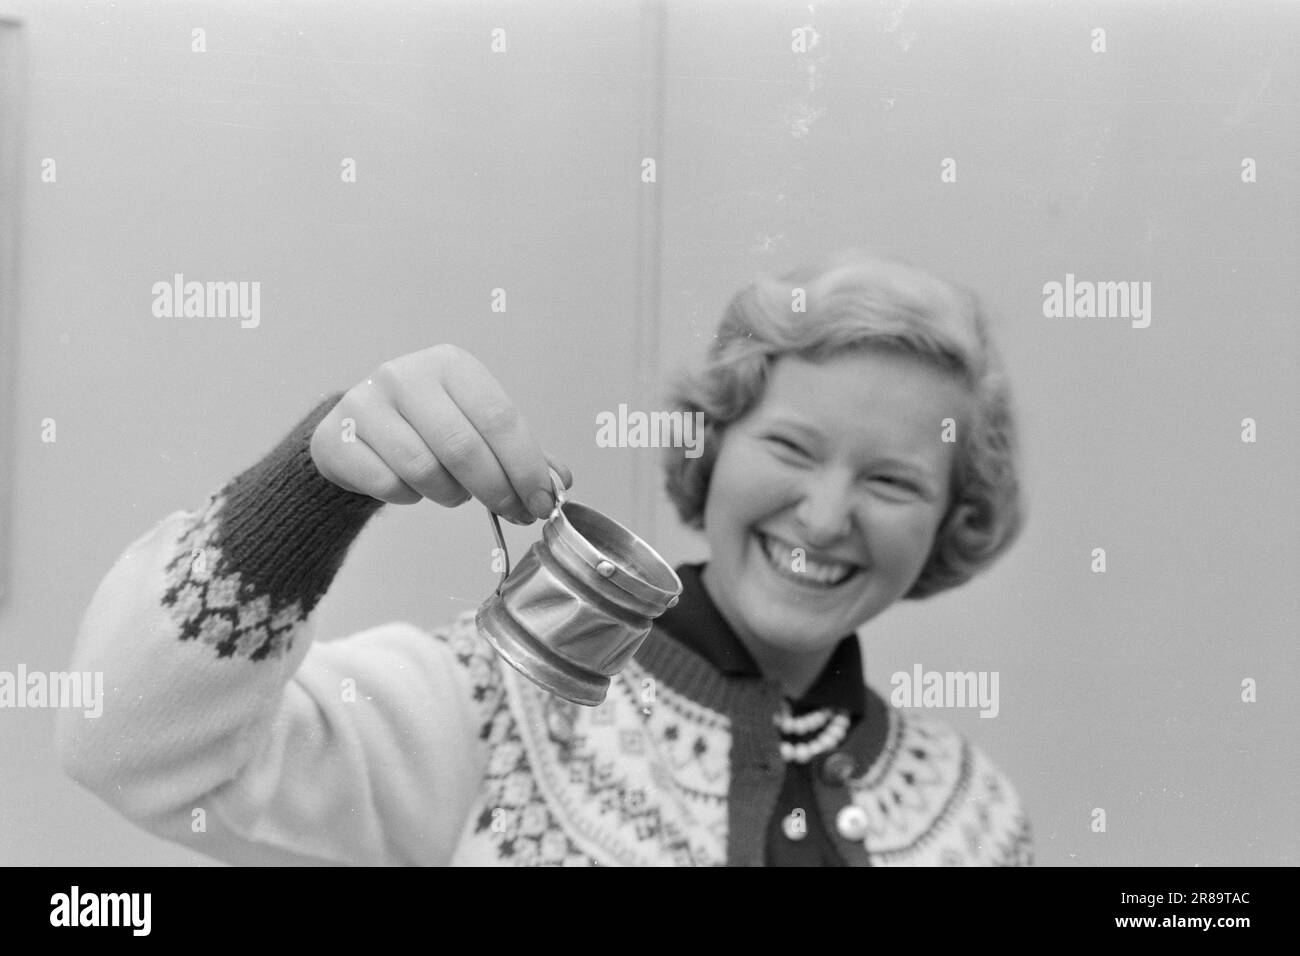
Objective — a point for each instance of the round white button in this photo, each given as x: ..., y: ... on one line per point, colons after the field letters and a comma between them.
x: 795, y: 826
x: 852, y: 822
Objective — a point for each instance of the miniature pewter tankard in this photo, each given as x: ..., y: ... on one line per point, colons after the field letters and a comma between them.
x: 579, y: 603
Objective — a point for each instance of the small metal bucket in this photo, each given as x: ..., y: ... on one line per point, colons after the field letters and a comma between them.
x: 579, y: 603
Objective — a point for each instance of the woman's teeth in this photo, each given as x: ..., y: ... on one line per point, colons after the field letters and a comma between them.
x: 814, y: 573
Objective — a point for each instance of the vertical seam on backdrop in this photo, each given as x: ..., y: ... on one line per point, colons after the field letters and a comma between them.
x: 647, y: 313
x: 12, y: 147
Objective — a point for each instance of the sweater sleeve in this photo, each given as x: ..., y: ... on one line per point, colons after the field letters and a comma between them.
x: 224, y: 727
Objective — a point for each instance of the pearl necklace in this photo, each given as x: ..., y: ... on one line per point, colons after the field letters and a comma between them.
x: 834, y: 725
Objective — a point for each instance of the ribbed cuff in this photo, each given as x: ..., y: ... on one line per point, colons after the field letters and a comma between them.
x: 286, y: 528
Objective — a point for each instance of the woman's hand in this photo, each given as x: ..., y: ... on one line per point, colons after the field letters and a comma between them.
x: 435, y: 424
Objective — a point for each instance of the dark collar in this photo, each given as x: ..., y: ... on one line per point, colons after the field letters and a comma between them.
x: 696, y: 623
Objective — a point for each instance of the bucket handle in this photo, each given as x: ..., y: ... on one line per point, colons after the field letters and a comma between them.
x: 560, y: 498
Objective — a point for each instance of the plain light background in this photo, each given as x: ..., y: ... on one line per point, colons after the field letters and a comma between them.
x: 521, y: 170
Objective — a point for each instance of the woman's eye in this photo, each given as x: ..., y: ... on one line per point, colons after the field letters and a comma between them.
x: 901, y: 483
x: 786, y: 443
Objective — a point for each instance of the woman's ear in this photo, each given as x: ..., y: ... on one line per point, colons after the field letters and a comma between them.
x: 963, y: 514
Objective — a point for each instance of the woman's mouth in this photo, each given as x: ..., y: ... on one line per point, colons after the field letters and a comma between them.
x: 782, y: 558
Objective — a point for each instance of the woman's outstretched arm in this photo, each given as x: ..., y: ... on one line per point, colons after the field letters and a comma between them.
x: 226, y: 728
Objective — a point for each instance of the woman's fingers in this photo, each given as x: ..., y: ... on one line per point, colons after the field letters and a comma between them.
x: 436, y: 424
x: 494, y: 416
x: 393, y: 439
x: 462, y: 450
x: 355, y: 466
x: 566, y: 476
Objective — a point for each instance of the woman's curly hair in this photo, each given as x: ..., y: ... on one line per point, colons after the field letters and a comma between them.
x: 858, y: 300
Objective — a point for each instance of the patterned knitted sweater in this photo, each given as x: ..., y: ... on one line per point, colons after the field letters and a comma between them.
x: 228, y: 728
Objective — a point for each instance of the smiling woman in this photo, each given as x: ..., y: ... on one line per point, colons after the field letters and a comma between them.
x: 815, y: 529
x: 914, y: 371
x: 859, y: 449
x: 855, y: 452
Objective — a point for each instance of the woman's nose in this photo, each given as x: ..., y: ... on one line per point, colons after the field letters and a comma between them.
x: 825, y: 513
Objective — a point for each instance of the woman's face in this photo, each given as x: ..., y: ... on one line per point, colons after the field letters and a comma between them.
x: 825, y: 497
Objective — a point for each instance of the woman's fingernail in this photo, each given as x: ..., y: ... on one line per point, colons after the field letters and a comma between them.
x: 541, y: 503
